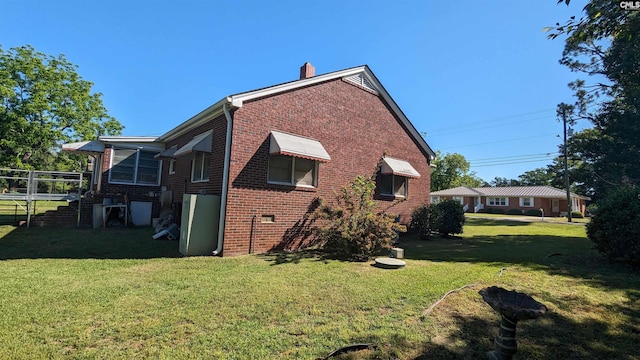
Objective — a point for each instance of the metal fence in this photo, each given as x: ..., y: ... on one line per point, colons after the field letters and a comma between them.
x: 27, y: 186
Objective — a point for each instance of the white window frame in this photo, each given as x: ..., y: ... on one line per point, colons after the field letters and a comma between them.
x: 393, y: 186
x: 435, y: 199
x: 459, y: 199
x: 204, y: 158
x: 491, y: 201
x: 136, y: 167
x: 172, y: 166
x: 292, y: 181
x: 522, y: 200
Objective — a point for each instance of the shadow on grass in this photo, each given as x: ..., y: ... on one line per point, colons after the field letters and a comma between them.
x: 83, y: 243
x: 552, y: 337
x: 499, y: 222
x: 294, y: 257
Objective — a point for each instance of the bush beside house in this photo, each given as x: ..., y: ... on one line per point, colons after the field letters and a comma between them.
x: 445, y: 218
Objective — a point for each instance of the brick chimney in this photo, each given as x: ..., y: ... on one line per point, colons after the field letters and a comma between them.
x: 306, y: 71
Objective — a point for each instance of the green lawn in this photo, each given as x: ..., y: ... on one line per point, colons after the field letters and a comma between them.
x: 116, y: 293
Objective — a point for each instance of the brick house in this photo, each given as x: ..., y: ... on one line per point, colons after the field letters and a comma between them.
x: 270, y: 153
x: 552, y: 201
x: 121, y: 168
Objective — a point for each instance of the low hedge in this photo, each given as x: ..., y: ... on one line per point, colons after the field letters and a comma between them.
x: 514, y: 212
x: 533, y: 212
x: 577, y: 215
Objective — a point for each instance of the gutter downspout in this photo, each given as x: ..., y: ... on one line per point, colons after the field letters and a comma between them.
x: 225, y: 180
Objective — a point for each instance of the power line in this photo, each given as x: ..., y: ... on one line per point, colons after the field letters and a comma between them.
x: 499, y: 141
x: 459, y: 130
x: 513, y: 157
x: 494, y: 120
x: 509, y: 163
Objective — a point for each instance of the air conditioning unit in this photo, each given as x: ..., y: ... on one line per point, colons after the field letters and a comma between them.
x: 199, y: 225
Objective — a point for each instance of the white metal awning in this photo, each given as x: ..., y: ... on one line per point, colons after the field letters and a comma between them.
x: 398, y: 167
x: 202, y: 142
x: 169, y: 153
x: 93, y: 146
x: 297, y: 146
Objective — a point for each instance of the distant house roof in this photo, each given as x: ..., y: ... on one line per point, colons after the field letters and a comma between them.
x: 458, y: 191
x: 361, y: 75
x: 545, y: 191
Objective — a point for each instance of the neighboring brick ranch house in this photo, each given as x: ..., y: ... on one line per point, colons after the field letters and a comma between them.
x: 270, y: 153
x: 552, y: 201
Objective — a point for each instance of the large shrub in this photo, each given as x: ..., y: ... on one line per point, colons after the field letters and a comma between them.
x: 450, y: 217
x: 533, y: 212
x: 422, y: 221
x: 615, y: 226
x: 353, y: 229
x: 445, y: 218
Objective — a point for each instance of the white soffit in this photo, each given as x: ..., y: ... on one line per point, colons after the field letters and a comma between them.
x: 93, y: 146
x: 169, y: 153
x: 398, y: 167
x: 297, y: 146
x: 202, y: 142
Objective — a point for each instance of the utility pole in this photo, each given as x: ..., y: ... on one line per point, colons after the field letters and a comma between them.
x: 566, y: 165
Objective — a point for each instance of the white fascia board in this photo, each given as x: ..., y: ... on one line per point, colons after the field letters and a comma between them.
x: 127, y: 139
x: 238, y: 99
x: 396, y: 109
x: 200, y: 118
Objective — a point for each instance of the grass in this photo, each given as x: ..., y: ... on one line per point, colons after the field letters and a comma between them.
x: 116, y: 293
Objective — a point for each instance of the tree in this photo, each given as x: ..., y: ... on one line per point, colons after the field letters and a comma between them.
x: 44, y: 103
x: 502, y: 182
x: 452, y: 170
x: 536, y: 177
x: 615, y: 226
x: 605, y: 45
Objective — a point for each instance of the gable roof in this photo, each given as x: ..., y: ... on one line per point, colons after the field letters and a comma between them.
x: 360, y: 73
x: 544, y: 191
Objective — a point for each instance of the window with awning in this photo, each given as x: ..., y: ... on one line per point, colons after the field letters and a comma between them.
x: 394, y: 177
x: 168, y: 153
x: 201, y: 143
x: 281, y: 143
x: 392, y: 166
x: 294, y: 160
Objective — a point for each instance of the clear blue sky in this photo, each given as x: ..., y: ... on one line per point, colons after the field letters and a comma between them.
x: 479, y: 77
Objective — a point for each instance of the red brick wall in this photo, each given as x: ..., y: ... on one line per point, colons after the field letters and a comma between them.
x: 180, y: 182
x: 356, y: 128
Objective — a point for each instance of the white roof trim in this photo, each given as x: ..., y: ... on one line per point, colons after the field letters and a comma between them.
x: 297, y: 146
x: 237, y: 101
x: 93, y: 146
x: 398, y: 167
x: 202, y: 142
x: 127, y: 139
